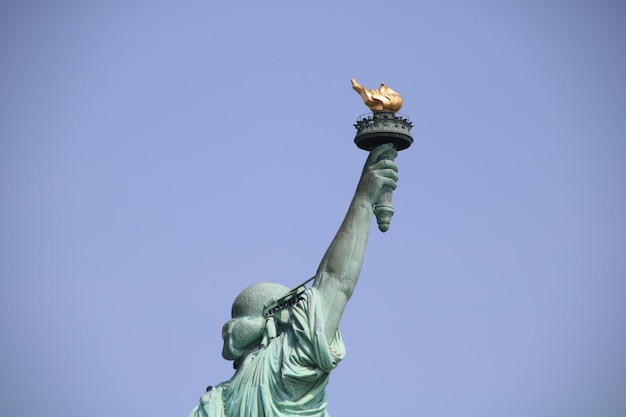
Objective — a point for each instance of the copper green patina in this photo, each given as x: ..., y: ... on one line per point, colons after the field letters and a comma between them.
x: 284, y: 343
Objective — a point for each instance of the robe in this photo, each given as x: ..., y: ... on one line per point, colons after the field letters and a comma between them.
x: 287, y: 377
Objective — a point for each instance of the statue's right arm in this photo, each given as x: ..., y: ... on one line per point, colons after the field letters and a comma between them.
x: 339, y: 270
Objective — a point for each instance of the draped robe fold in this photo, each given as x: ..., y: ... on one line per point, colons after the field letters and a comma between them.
x: 286, y: 378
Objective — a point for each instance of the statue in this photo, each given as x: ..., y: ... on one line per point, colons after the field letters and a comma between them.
x: 284, y: 343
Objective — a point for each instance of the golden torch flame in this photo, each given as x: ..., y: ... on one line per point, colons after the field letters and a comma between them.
x: 383, y: 99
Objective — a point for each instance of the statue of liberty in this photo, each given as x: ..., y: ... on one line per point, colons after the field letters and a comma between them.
x: 285, y: 343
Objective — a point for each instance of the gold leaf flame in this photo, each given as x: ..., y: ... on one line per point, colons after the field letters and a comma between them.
x: 381, y: 99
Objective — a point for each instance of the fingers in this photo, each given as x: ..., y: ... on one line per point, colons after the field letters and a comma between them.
x: 383, y: 173
x: 384, y: 164
x: 385, y: 168
x: 385, y: 151
x: 380, y: 173
x: 389, y: 183
x: 389, y: 178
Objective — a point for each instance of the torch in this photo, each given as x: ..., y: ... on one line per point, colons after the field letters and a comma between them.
x: 383, y: 125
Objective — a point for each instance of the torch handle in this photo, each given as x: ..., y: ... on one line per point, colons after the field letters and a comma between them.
x: 383, y: 209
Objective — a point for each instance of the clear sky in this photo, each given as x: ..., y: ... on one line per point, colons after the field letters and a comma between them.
x: 158, y: 157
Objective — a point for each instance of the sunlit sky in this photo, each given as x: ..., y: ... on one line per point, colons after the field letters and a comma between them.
x: 158, y: 157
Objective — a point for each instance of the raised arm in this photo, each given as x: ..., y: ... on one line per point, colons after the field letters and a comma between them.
x: 339, y: 270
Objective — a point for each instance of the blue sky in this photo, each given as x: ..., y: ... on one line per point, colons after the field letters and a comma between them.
x: 158, y: 157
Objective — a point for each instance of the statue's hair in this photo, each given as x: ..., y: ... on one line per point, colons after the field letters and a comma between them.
x: 239, y: 334
x: 250, y: 302
x: 248, y: 323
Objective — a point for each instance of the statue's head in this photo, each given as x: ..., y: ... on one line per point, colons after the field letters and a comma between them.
x: 246, y: 327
